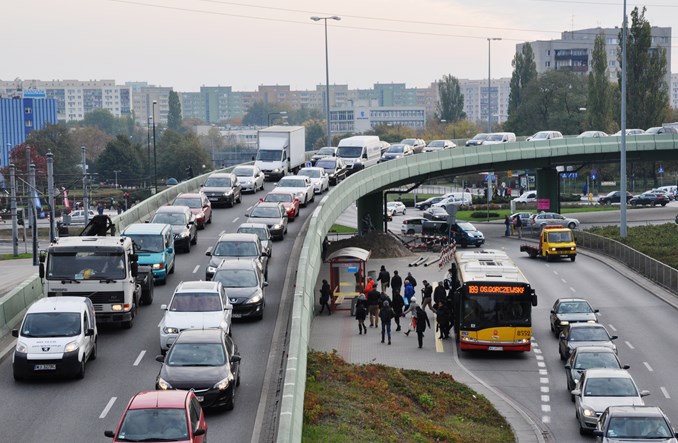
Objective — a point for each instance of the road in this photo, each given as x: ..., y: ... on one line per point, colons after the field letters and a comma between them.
x: 80, y: 410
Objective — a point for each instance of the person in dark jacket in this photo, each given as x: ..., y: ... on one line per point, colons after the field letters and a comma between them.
x: 422, y: 322
x: 439, y: 293
x: 384, y: 278
x: 427, y: 296
x: 325, y: 293
x: 443, y: 320
x: 386, y: 314
x: 397, y: 305
x: 412, y: 280
x: 396, y: 283
x: 361, y: 313
x: 373, y: 298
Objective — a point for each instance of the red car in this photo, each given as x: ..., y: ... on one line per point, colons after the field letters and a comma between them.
x: 158, y: 416
x: 199, y: 205
x: 289, y: 201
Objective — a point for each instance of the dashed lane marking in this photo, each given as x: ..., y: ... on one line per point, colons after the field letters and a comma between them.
x: 108, y: 407
x: 196, y: 268
x: 572, y: 289
x: 236, y: 219
x: 138, y: 360
x: 563, y: 280
x: 629, y: 345
x: 612, y: 327
x: 647, y: 365
x: 665, y: 392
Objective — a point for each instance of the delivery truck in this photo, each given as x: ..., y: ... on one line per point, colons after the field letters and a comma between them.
x: 281, y: 150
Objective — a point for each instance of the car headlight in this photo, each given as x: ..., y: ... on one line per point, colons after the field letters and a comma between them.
x: 222, y: 385
x: 588, y: 412
x: 211, y: 269
x: 184, y: 234
x: 162, y: 384
x: 300, y: 194
x: 398, y: 156
x: 158, y: 266
x: 170, y: 330
x: 573, y: 248
x: 72, y: 346
x: 276, y: 170
x: 564, y: 322
x: 21, y: 347
x: 256, y: 299
x: 358, y: 162
x: 277, y: 227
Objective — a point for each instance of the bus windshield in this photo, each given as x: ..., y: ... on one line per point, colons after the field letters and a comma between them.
x: 484, y: 311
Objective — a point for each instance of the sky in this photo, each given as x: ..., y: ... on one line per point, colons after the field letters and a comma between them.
x: 186, y: 44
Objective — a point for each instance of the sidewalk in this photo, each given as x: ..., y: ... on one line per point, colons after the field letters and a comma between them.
x: 15, y: 272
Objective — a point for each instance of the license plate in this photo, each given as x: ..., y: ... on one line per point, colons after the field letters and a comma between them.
x: 237, y: 315
x: 495, y: 348
x: 44, y: 367
x: 200, y: 398
x: 213, y: 199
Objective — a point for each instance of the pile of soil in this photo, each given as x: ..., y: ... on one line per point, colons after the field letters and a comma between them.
x: 382, y: 245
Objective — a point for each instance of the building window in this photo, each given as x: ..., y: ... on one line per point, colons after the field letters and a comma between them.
x: 28, y: 110
x: 29, y: 123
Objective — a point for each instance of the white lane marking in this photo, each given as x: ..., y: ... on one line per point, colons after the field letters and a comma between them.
x: 612, y: 327
x: 545, y: 408
x: 545, y: 389
x: 537, y: 351
x: 629, y: 345
x: 555, y: 272
x: 545, y: 398
x: 541, y: 364
x: 544, y: 380
x: 647, y: 365
x: 235, y: 219
x: 546, y: 419
x: 138, y: 360
x: 563, y: 280
x: 665, y: 392
x: 196, y: 268
x: 572, y: 289
x: 108, y: 407
x: 547, y: 265
x: 539, y: 357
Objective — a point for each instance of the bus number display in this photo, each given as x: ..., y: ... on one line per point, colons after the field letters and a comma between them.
x: 495, y: 289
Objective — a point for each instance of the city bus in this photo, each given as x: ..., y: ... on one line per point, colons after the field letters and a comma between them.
x: 493, y: 303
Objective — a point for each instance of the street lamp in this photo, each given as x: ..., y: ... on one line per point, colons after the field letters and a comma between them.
x: 327, y: 76
x: 489, y: 84
x: 155, y: 156
x: 622, y: 150
x: 148, y: 163
x: 282, y: 115
x: 116, y: 177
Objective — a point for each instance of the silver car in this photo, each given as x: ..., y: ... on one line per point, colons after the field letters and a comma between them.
x: 250, y: 177
x: 551, y: 218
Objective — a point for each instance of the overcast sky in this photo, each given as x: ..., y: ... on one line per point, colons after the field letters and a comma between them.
x: 189, y: 43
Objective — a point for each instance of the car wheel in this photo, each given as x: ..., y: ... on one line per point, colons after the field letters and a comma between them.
x: 582, y: 431
x: 171, y: 271
x: 663, y: 204
x: 552, y: 328
x: 573, y: 257
x: 209, y: 222
x: 237, y: 381
x: 304, y: 203
x: 93, y: 355
x: 128, y: 324
x: 562, y: 357
x: 653, y: 204
x: 572, y: 398
x: 231, y: 401
x: 81, y: 370
x: 634, y: 203
x: 17, y: 377
x: 572, y: 225
x: 239, y: 198
x: 411, y: 231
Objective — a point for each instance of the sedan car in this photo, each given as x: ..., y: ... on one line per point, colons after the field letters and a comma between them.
x: 477, y: 139
x: 600, y: 388
x: 396, y: 151
x: 223, y: 188
x: 288, y: 200
x: 649, y: 198
x: 435, y: 213
x: 239, y: 246
x: 77, y: 217
x: 587, y: 357
x: 566, y: 311
x: 262, y: 231
x: 524, y: 218
x: 155, y: 416
x: 542, y: 219
x: 544, y: 135
x: 199, y: 205
x: 412, y: 225
x: 424, y: 205
x: 584, y: 334
x: 634, y: 423
x: 452, y: 200
x: 183, y: 224
x: 417, y: 144
x: 301, y: 186
x: 319, y: 178
x: 614, y: 197
x: 439, y: 145
x: 397, y: 207
x: 272, y: 214
x: 335, y: 167
x: 592, y: 134
x: 245, y: 285
x: 631, y: 132
x: 250, y: 177
x: 324, y: 152
x: 194, y: 305
x: 206, y: 362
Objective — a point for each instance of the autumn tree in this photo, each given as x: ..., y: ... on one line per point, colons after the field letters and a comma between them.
x: 58, y: 139
x: 176, y: 152
x: 450, y: 100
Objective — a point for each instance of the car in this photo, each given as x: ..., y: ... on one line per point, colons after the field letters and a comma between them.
x: 465, y: 234
x: 436, y: 213
x: 566, y: 311
x: 195, y: 305
x: 526, y: 198
x: 544, y: 135
x: 199, y: 205
x: 77, y: 217
x: 477, y: 140
x: 273, y: 214
x: 496, y: 138
x: 324, y: 152
x: 319, y: 178
x: 584, y: 334
x: 669, y: 190
x: 424, y: 205
x: 335, y: 167
x: 542, y: 219
x: 250, y: 177
x: 417, y: 144
x: 452, y: 200
x: 524, y: 218
x: 587, y: 357
x: 240, y: 246
x: 439, y: 145
x: 183, y: 224
x: 631, y: 132
x: 245, y: 286
x: 262, y: 231
x: 614, y: 197
x: 154, y: 246
x: 300, y: 185
x: 205, y: 361
x: 396, y: 151
x: 649, y: 198
x: 658, y: 130
x: 397, y: 207
x: 592, y: 134
x: 223, y: 189
x: 155, y: 416
x: 412, y: 225
x: 599, y: 388
x: 634, y: 423
x: 383, y: 146
x: 288, y: 199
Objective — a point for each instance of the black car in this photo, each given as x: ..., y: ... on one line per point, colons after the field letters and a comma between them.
x: 584, y: 334
x: 335, y: 167
x: 586, y: 357
x: 649, y: 198
x: 614, y: 197
x: 435, y: 213
x: 183, y: 224
x: 424, y: 205
x: 566, y: 311
x: 222, y: 188
x: 205, y: 361
x: 245, y: 285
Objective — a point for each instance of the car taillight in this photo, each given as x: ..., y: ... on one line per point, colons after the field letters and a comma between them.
x: 405, y: 222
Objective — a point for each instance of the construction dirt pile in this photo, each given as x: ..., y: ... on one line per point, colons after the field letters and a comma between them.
x: 382, y: 245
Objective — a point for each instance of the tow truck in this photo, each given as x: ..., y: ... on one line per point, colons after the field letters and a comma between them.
x: 554, y: 242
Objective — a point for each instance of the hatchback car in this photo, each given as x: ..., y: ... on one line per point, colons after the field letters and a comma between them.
x: 250, y: 177
x: 614, y: 197
x: 417, y: 144
x: 592, y: 134
x: 195, y: 305
x: 436, y: 213
x: 424, y: 205
x: 649, y: 198
x: 199, y: 205
x: 600, y: 388
x: 396, y: 151
x: 452, y: 200
x: 477, y: 139
x: 262, y: 231
x: 288, y: 199
x: 155, y: 416
x: 587, y: 357
x: 238, y: 246
x: 584, y: 334
x: 223, y: 188
x: 319, y: 178
x: 324, y: 152
x: 206, y: 362
x: 544, y: 135
x: 566, y: 311
x: 272, y: 214
x: 526, y: 198
x: 412, y: 225
x: 335, y: 167
x: 634, y: 423
x: 542, y: 219
x: 245, y: 286
x: 439, y: 145
x: 631, y: 132
x: 301, y: 186
x: 183, y: 224
x: 396, y: 208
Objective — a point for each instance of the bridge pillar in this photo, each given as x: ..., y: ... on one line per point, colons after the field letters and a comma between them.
x: 372, y: 205
x: 548, y: 188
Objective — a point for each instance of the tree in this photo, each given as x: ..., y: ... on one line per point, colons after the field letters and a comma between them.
x: 177, y: 152
x: 17, y: 156
x: 67, y: 155
x: 108, y: 123
x: 315, y: 135
x: 524, y: 71
x: 598, y: 105
x: 647, y: 99
x: 93, y: 138
x: 258, y: 113
x: 174, y: 113
x: 213, y: 141
x: 123, y: 156
x: 451, y: 100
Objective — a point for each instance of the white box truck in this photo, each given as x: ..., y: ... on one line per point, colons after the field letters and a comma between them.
x: 281, y: 150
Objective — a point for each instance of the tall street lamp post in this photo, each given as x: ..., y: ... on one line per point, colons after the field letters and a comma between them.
x: 489, y: 83
x: 622, y: 153
x: 327, y: 76
x: 148, y: 150
x: 155, y: 156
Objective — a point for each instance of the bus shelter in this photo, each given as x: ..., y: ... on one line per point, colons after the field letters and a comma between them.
x: 347, y: 275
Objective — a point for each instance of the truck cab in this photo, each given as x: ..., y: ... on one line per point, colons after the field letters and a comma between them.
x: 554, y: 242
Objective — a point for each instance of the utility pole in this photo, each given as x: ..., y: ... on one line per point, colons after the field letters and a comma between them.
x: 12, y: 193
x: 85, y: 198
x: 33, y: 213
x: 116, y: 177
x: 50, y: 193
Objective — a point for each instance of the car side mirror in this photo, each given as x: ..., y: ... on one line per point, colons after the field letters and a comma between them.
x: 228, y: 307
x: 575, y: 392
x: 364, y: 155
x: 15, y: 332
x: 208, y: 253
x: 644, y: 393
x: 109, y: 434
x: 235, y: 359
x: 552, y: 311
x: 198, y: 432
x: 568, y: 367
x: 89, y: 332
x: 626, y: 367
x: 614, y: 337
x: 534, y: 299
x: 41, y: 270
x: 562, y: 335
x: 265, y: 284
x: 160, y: 358
x: 163, y: 307
x: 170, y: 250
x: 596, y: 310
x: 598, y: 433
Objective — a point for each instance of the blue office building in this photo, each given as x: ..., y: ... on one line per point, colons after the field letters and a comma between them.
x: 21, y: 115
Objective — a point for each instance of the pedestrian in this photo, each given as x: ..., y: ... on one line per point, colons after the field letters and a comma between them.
x: 386, y: 314
x: 422, y: 322
x: 507, y: 222
x: 396, y: 283
x: 426, y: 295
x: 442, y: 320
x: 384, y: 278
x: 361, y: 313
x: 373, y: 298
x: 397, y: 305
x: 409, y: 292
x: 411, y: 309
x: 100, y: 208
x: 412, y: 280
x: 323, y: 253
x: 384, y: 298
x: 325, y: 293
x: 519, y: 226
x: 439, y: 293
x: 370, y: 285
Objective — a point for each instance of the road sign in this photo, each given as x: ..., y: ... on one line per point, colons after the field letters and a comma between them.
x: 308, y: 164
x: 660, y: 170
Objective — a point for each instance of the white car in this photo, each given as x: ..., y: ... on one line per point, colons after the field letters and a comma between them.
x: 195, y: 305
x: 396, y: 208
x: 526, y: 197
x: 77, y: 217
x: 300, y: 185
x: 451, y: 201
x: 544, y: 135
x: 319, y: 178
x: 439, y: 145
x: 250, y: 177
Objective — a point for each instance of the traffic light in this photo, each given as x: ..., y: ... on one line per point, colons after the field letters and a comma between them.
x: 189, y: 172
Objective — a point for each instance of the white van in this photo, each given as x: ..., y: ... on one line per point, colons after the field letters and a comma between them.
x: 496, y: 138
x: 359, y: 152
x: 58, y: 335
x: 463, y: 196
x: 526, y: 197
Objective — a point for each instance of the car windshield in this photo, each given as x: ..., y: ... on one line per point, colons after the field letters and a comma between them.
x: 86, y: 265
x: 51, y: 324
x: 196, y: 354
x: 218, y: 182
x: 261, y: 232
x: 312, y: 173
x: 466, y: 227
x: 610, y: 387
x: 244, y: 171
x: 573, y: 307
x: 638, y: 428
x: 586, y: 360
x: 147, y: 243
x: 589, y: 334
x: 349, y: 151
x: 326, y: 164
x: 275, y: 197
x: 409, y: 141
x: 161, y: 424
x: 237, y: 278
x: 540, y: 136
x: 190, y: 202
x: 325, y: 151
x: 395, y: 149
x: 560, y: 237
x: 481, y: 137
x: 265, y: 212
x: 235, y: 249
x: 494, y: 137
x: 171, y: 218
x: 269, y: 155
x: 195, y: 302
x: 292, y: 183
x: 436, y: 144
x: 437, y: 210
